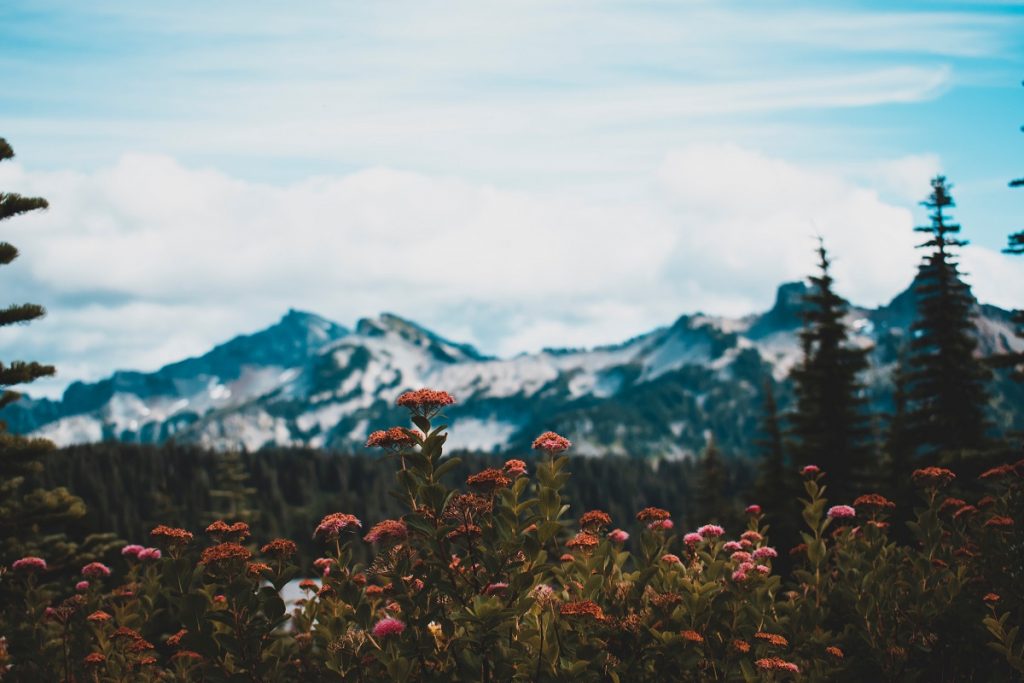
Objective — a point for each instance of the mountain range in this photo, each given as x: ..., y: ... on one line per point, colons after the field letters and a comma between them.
x: 308, y: 381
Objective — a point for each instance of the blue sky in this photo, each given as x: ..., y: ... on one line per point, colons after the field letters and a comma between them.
x: 512, y: 174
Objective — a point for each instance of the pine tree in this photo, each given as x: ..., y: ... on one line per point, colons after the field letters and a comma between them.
x: 899, y: 451
x: 777, y: 486
x: 234, y: 498
x: 1014, y: 247
x: 830, y: 425
x: 772, y: 478
x: 946, y: 393
x: 711, y: 480
x: 899, y: 444
x: 29, y: 514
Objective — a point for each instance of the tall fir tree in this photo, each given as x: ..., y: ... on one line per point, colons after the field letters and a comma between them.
x: 30, y: 515
x: 711, y: 480
x: 947, y: 396
x: 1015, y: 247
x: 232, y: 496
x: 899, y: 451
x: 830, y: 425
x: 772, y: 480
x: 777, y: 487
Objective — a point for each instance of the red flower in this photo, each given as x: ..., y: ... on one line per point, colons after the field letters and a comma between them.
x: 172, y: 535
x: 933, y: 476
x: 219, y: 529
x: 776, y: 664
x: 841, y: 512
x: 29, y: 564
x: 810, y: 470
x: 618, y: 536
x: 964, y: 510
x: 515, y: 468
x: 225, y: 552
x: 998, y: 521
x: 692, y: 636
x: 425, y: 402
x: 551, y: 443
x: 834, y: 651
x: 257, y: 569
x: 712, y: 530
x: 388, y: 530
x: 388, y: 626
x: 652, y: 514
x: 773, y: 638
x: 395, y: 439
x: 874, y: 500
x: 95, y: 570
x: 280, y: 548
x: 595, y: 520
x: 186, y: 654
x: 584, y: 540
x: 490, y: 479
x: 951, y: 502
x: 332, y: 525
x: 1000, y: 471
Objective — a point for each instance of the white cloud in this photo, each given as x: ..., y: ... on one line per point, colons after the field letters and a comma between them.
x: 149, y: 261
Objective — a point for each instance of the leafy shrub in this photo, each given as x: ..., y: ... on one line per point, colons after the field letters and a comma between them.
x: 494, y: 582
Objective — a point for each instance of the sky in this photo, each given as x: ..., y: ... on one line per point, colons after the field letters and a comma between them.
x: 516, y: 175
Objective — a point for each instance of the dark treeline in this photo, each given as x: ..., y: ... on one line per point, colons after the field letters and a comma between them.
x: 128, y: 488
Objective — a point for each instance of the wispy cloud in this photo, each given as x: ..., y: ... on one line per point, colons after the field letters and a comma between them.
x: 583, y: 170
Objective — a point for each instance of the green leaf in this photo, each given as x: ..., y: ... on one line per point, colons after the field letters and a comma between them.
x: 447, y: 466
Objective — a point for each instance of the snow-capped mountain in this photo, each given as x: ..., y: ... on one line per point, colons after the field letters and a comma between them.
x: 308, y: 381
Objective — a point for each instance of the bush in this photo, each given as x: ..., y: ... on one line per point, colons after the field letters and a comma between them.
x: 493, y: 582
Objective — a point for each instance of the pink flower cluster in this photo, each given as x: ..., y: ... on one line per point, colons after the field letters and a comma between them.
x: 712, y: 530
x: 515, y: 468
x: 425, y: 402
x: 29, y: 564
x: 95, y: 570
x: 692, y: 538
x: 333, y: 524
x: 618, y: 536
x: 388, y: 626
x: 387, y: 530
x: 841, y: 512
x: 551, y: 442
x: 140, y: 553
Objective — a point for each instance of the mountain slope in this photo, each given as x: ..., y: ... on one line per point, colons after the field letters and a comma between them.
x: 307, y: 381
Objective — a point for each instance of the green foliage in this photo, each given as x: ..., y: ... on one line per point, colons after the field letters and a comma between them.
x: 829, y: 423
x: 495, y: 581
x: 31, y: 515
x: 946, y: 383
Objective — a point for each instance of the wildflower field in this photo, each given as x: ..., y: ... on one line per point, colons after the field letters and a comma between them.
x: 498, y: 580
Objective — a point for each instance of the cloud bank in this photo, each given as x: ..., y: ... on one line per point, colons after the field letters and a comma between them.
x: 148, y: 260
